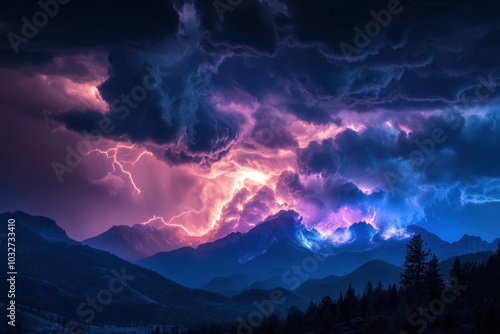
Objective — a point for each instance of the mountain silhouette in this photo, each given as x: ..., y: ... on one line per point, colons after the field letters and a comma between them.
x: 263, y: 254
x: 136, y: 242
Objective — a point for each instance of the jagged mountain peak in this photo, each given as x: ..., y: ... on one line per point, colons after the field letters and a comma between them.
x: 361, y: 233
x: 472, y: 243
x: 281, y: 222
x: 467, y: 237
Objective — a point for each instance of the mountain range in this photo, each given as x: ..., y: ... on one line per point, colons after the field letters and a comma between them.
x: 263, y: 256
x: 216, y: 281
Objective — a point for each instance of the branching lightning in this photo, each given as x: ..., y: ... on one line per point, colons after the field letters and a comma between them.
x: 169, y: 223
x: 120, y: 165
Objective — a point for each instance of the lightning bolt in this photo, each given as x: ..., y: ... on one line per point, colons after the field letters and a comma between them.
x: 373, y: 218
x: 169, y: 223
x: 123, y: 166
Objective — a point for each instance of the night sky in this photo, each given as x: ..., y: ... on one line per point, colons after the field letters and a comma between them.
x: 213, y: 115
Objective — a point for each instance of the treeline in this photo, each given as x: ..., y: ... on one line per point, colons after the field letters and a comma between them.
x: 423, y: 303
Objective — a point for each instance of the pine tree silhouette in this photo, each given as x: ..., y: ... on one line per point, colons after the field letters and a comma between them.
x: 415, y: 266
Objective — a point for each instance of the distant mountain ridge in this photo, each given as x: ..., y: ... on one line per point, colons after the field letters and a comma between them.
x: 136, y: 242
x: 282, y: 241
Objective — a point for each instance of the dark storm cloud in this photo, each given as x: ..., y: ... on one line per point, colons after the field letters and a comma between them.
x: 430, y: 55
x: 427, y: 56
x: 285, y: 54
x: 318, y: 158
x: 443, y: 155
x: 284, y: 81
x: 408, y: 172
x: 271, y: 131
x: 177, y: 116
x: 344, y: 193
x: 289, y: 184
x: 168, y: 107
x: 327, y: 192
x: 340, y: 193
x: 442, y: 148
x: 247, y: 29
x: 477, y: 149
x: 79, y: 25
